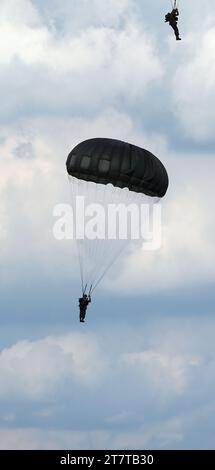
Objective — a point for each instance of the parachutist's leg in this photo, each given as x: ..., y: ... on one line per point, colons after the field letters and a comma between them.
x: 176, y: 31
x: 82, y: 315
x: 177, y: 37
x: 175, y: 28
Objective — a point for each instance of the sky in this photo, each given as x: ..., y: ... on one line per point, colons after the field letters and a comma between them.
x: 140, y: 374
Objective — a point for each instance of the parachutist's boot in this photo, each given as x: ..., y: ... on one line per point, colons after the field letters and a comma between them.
x: 178, y: 39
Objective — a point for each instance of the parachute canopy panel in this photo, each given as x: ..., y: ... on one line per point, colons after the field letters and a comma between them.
x: 124, y: 165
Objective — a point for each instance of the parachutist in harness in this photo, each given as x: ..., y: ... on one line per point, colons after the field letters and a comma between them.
x: 83, y: 304
x: 98, y: 175
x: 172, y: 19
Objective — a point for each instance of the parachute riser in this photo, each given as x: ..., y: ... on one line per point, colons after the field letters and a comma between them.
x: 175, y: 4
x: 90, y: 291
x: 85, y: 290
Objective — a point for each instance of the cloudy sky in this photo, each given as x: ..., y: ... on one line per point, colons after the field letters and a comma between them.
x: 141, y: 372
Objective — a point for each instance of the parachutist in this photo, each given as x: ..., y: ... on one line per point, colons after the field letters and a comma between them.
x: 83, y: 304
x: 172, y: 19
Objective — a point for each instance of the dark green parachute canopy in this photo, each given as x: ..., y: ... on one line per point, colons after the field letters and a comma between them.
x: 119, y: 163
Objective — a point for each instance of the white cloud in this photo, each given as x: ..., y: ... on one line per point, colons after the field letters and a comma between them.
x: 36, y: 370
x: 70, y: 17
x: 21, y: 13
x: 141, y: 388
x: 73, y: 73
x: 166, y: 371
x: 30, y: 438
x: 41, y: 368
x: 193, y: 86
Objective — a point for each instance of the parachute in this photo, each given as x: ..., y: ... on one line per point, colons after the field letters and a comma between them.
x: 175, y: 4
x: 106, y: 172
